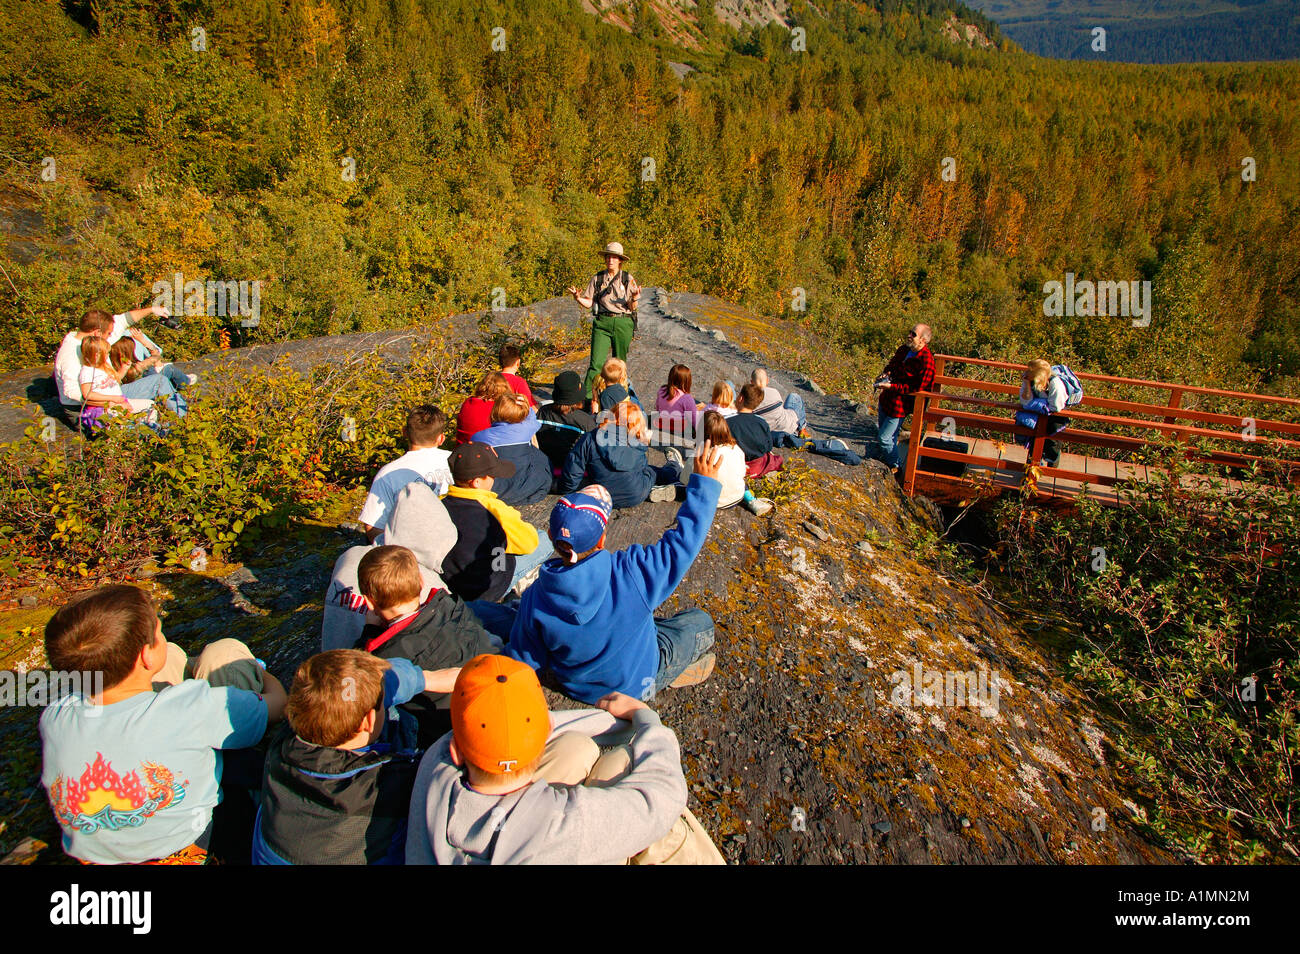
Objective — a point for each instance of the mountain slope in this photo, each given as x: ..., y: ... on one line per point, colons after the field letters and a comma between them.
x: 1164, y: 31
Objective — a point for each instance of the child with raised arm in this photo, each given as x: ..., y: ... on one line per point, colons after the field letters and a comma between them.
x: 589, y: 618
x: 134, y: 768
x: 128, y: 365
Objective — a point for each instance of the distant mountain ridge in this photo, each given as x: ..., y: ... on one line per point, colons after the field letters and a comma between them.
x: 1162, y: 31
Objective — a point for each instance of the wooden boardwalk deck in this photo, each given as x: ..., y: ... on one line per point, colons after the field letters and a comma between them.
x: 991, y: 467
x: 981, y: 480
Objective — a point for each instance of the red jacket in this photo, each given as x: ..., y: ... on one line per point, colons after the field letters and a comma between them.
x: 475, y: 415
x: 909, y: 375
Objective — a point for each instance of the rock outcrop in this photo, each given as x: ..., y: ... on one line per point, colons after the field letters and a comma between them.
x: 968, y: 33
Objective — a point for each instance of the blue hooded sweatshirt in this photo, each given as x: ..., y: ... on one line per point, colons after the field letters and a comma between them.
x: 621, y: 468
x: 592, y: 623
x: 502, y: 433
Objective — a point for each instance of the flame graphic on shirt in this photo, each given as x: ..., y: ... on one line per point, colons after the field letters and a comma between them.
x: 102, y: 798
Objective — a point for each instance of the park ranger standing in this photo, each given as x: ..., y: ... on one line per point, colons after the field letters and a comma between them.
x: 612, y: 296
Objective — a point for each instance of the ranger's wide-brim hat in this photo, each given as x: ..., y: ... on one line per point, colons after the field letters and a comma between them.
x: 614, y: 248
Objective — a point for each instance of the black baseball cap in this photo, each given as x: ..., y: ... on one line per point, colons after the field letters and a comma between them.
x: 477, y: 460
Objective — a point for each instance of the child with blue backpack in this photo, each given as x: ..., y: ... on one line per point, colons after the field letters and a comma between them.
x: 1045, y: 389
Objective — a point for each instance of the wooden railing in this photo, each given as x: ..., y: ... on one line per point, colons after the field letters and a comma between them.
x: 996, y: 414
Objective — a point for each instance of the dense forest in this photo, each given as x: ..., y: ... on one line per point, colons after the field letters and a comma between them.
x: 1164, y: 31
x: 374, y: 163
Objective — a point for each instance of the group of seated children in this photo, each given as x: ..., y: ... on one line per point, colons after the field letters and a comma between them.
x: 420, y: 732
x: 572, y: 441
x: 428, y: 741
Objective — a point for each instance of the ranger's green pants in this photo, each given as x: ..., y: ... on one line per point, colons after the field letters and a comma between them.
x: 607, y: 332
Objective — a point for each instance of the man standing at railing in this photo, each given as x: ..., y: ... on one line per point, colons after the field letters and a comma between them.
x: 911, y: 369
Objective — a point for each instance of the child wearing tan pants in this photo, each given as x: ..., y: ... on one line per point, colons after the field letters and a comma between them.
x: 514, y: 783
x: 572, y: 757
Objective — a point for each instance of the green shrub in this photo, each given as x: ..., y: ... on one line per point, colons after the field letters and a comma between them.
x: 1189, y: 633
x: 258, y: 448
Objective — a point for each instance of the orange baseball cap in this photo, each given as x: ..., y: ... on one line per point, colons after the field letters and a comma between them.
x: 498, y: 714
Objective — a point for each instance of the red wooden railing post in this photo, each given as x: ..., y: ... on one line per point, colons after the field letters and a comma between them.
x: 938, y: 370
x: 917, y: 435
x: 1036, y: 447
x: 1175, y: 401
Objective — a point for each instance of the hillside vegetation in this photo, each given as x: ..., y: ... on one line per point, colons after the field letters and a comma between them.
x: 489, y: 176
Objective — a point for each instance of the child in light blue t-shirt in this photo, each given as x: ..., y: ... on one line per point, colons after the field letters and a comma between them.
x: 133, y: 771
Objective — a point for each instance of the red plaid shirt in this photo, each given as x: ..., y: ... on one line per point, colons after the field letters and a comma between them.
x: 908, y: 375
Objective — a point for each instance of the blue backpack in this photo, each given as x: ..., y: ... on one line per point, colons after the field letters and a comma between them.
x: 1073, y: 389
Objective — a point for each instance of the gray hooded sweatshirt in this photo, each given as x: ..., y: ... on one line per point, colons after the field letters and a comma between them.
x: 420, y: 523
x: 452, y: 824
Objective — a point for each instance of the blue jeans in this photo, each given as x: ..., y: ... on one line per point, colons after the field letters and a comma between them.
x: 836, y: 450
x: 174, y: 374
x: 151, y: 386
x: 683, y: 639
x: 795, y: 403
x: 650, y: 478
x: 497, y: 618
x: 887, y: 440
x: 669, y: 473
x: 527, y: 561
